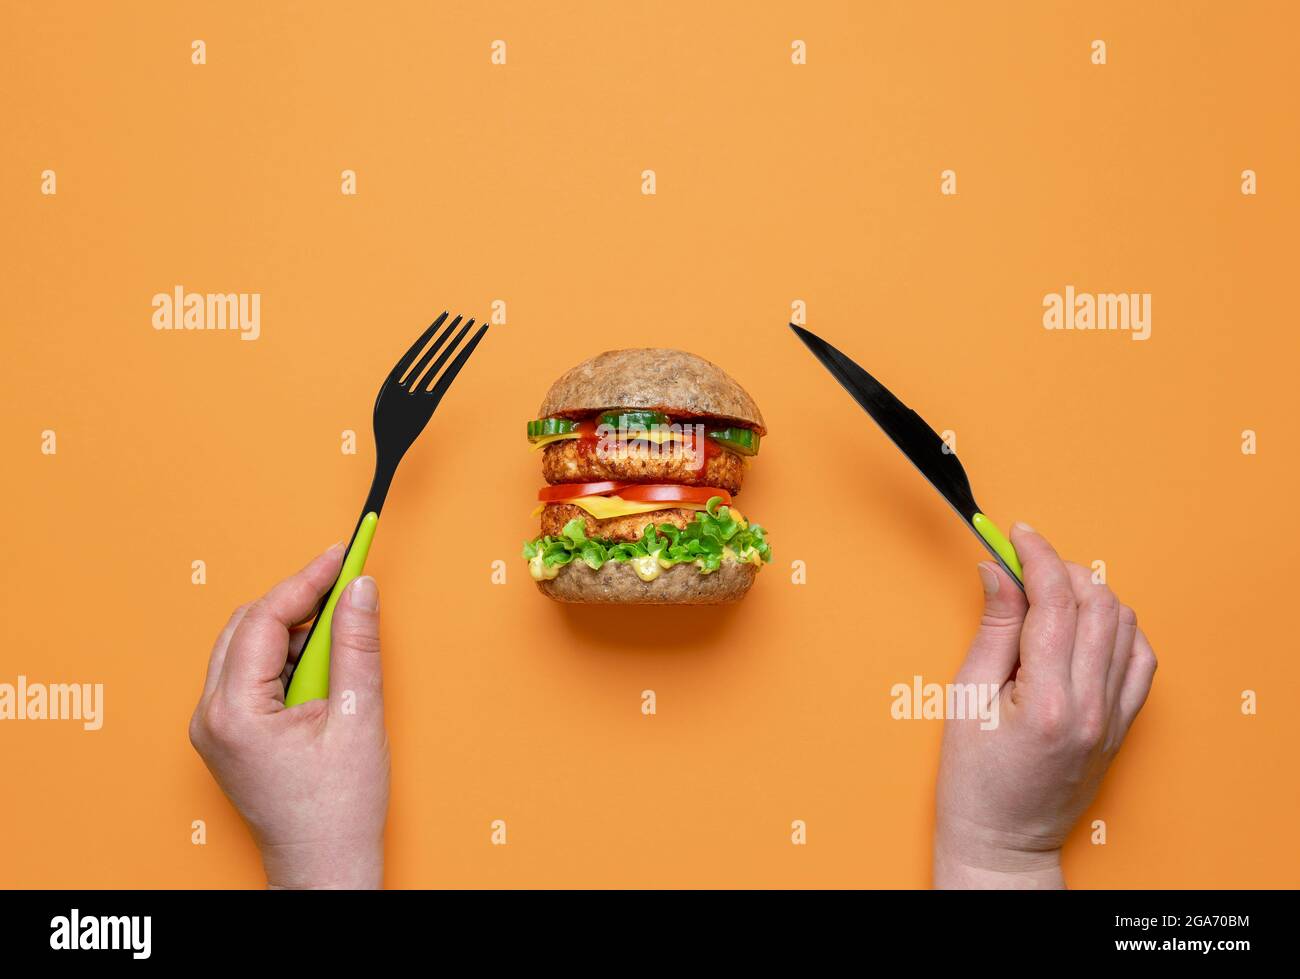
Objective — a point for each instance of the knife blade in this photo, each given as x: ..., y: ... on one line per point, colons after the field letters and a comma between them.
x: 919, y: 442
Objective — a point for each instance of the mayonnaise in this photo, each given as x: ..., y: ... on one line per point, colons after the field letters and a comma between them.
x: 539, y: 571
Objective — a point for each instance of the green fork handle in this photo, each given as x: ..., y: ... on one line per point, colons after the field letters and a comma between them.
x: 311, y: 678
x: 997, y: 542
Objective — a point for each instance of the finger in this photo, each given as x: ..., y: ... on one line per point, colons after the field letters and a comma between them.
x: 1119, y: 662
x: 295, y: 599
x: 996, y: 648
x: 297, y: 640
x: 1137, y: 680
x: 1048, y: 634
x: 356, y: 687
x: 1094, y: 637
x: 217, y: 659
x: 259, y: 648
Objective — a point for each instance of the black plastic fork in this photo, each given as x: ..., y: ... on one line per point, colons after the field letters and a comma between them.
x: 406, y: 401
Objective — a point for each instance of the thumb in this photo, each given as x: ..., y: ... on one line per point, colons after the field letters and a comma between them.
x: 996, y: 648
x: 356, y: 680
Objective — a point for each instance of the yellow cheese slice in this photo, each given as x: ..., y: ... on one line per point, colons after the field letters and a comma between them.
x: 659, y: 437
x: 608, y: 507
x: 605, y: 507
x: 546, y: 440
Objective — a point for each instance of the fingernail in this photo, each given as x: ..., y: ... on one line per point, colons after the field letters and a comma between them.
x: 334, y: 547
x: 365, y: 594
x: 989, y: 579
x: 1021, y: 525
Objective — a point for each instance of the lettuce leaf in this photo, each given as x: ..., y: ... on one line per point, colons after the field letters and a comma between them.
x: 712, y: 537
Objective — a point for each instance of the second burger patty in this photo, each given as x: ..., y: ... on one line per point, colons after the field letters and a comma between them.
x: 630, y: 528
x: 572, y: 461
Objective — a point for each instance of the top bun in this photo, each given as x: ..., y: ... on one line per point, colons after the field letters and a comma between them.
x: 675, y: 382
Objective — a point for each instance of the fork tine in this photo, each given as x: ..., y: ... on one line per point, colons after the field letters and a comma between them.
x: 418, y: 370
x: 409, y: 357
x: 427, y: 377
x: 444, y: 382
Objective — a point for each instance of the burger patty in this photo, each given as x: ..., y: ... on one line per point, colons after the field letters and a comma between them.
x: 556, y: 515
x: 578, y: 461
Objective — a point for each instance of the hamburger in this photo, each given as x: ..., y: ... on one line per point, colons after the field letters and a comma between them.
x: 643, y: 453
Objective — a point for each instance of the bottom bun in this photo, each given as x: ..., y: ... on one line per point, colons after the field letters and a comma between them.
x: 616, y: 583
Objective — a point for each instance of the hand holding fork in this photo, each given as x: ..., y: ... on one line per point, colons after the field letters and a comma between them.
x: 406, y: 401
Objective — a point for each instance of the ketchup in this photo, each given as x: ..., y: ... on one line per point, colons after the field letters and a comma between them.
x: 588, y: 440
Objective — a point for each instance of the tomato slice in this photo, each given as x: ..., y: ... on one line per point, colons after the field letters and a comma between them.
x: 673, y: 492
x: 571, y: 491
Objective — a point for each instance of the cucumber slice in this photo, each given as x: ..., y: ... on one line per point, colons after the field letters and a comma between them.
x: 540, y: 428
x: 743, y: 441
x: 631, y: 419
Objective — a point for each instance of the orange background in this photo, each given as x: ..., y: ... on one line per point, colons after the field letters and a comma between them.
x: 522, y: 182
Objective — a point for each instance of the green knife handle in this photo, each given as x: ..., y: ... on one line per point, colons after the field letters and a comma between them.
x: 1000, y: 546
x: 311, y: 678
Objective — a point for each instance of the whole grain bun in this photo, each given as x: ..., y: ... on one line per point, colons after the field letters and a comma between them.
x: 672, y: 381
x: 617, y: 584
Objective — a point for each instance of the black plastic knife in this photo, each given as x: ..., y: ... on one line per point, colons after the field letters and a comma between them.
x: 919, y: 442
